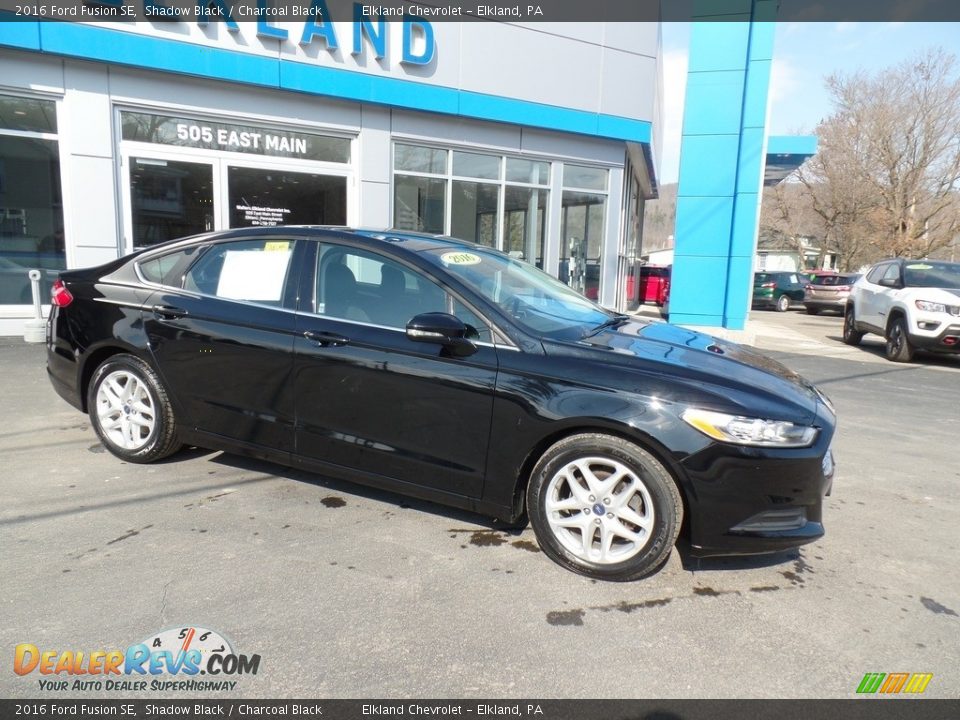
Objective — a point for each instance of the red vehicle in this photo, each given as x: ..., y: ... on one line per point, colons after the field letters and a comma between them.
x: 654, y: 284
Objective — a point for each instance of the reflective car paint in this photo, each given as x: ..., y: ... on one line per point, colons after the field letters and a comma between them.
x: 382, y: 410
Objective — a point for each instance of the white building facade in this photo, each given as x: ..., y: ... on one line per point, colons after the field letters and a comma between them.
x: 536, y: 138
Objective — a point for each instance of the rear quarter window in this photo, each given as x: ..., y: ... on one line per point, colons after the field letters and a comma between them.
x: 168, y: 269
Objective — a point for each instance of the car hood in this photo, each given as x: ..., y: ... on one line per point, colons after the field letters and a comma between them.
x: 689, y: 367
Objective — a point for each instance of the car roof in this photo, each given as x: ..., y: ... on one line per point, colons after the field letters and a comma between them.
x: 408, y: 239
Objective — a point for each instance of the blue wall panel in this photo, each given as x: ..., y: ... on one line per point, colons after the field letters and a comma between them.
x: 19, y: 34
x: 721, y: 165
x: 708, y: 165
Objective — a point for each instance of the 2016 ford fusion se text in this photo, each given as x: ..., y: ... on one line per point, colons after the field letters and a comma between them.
x: 451, y: 372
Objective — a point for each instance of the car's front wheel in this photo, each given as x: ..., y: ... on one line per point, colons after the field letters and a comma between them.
x: 899, y: 348
x: 130, y: 410
x: 851, y: 336
x: 604, y: 507
x: 783, y: 303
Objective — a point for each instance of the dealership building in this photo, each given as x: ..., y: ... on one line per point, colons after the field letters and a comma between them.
x: 541, y: 139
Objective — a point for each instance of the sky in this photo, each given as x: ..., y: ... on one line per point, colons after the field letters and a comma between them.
x: 804, y: 54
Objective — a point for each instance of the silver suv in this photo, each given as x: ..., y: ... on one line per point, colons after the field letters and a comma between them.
x: 914, y: 304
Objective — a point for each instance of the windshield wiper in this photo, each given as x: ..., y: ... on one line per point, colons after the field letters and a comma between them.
x: 612, y: 322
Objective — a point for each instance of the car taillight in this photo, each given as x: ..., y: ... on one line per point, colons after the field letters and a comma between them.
x: 59, y: 295
x: 843, y: 288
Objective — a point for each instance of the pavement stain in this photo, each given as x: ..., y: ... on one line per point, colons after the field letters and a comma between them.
x: 764, y: 588
x: 566, y: 617
x: 98, y: 448
x: 527, y: 545
x: 936, y: 608
x: 129, y: 534
x: 332, y: 501
x: 625, y: 607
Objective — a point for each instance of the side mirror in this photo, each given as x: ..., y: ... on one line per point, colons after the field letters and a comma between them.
x: 890, y: 283
x: 441, y: 329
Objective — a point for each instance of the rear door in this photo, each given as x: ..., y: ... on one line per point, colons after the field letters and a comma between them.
x: 221, y: 333
x: 370, y: 399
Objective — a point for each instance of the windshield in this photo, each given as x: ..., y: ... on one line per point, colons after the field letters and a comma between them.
x: 932, y: 274
x: 537, y: 302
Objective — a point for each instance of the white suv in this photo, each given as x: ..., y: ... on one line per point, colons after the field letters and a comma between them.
x: 914, y: 304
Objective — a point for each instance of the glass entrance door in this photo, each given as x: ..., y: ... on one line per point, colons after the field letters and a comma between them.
x: 169, y: 199
x: 265, y: 197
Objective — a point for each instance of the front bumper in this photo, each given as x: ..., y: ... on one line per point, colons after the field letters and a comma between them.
x: 934, y: 334
x: 748, y: 501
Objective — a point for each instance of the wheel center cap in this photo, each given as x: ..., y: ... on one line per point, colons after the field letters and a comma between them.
x: 598, y: 509
x: 127, y: 409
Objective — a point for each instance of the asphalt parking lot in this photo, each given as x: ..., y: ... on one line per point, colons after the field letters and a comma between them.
x: 354, y: 593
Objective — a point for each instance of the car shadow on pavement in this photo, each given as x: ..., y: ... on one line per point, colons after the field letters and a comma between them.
x: 691, y: 563
x: 402, y: 502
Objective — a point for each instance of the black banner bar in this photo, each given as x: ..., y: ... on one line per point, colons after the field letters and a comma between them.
x: 874, y: 708
x: 269, y: 11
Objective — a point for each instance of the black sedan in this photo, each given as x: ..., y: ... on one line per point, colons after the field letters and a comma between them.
x: 448, y: 371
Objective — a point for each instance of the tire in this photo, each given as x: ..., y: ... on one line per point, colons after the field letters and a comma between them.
x: 130, y: 410
x: 783, y: 303
x: 632, y: 525
x: 898, y: 348
x: 851, y: 336
x: 812, y: 310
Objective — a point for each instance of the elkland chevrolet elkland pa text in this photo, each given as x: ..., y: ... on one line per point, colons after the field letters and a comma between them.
x: 447, y: 371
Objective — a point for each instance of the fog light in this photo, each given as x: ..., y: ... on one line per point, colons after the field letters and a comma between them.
x: 774, y: 521
x: 828, y: 465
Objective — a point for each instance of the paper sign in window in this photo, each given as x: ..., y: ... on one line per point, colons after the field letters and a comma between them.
x: 248, y: 275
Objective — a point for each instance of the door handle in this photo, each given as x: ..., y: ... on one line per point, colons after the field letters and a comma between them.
x: 168, y: 312
x: 326, y: 339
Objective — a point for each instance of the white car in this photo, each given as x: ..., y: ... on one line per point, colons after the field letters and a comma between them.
x: 914, y: 304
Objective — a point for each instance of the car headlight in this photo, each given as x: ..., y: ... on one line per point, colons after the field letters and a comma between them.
x: 929, y: 306
x: 749, y: 431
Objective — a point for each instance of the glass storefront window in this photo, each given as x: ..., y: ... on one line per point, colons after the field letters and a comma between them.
x: 261, y: 197
x: 418, y: 203
x: 215, y: 135
x: 528, y: 171
x: 582, y: 229
x: 587, y: 178
x: 28, y: 114
x: 476, y: 165
x: 473, y: 212
x: 524, y: 226
x: 169, y: 199
x: 31, y: 209
x: 414, y: 158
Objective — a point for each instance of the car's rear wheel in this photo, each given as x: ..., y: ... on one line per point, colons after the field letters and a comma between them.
x: 783, y: 303
x: 604, y: 507
x: 899, y: 348
x: 851, y: 336
x: 130, y: 410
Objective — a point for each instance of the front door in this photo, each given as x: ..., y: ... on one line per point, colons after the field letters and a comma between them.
x: 370, y: 399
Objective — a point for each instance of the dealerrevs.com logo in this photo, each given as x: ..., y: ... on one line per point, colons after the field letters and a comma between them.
x: 171, y: 660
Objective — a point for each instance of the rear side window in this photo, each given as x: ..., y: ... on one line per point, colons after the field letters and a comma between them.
x: 168, y: 269
x: 249, y: 270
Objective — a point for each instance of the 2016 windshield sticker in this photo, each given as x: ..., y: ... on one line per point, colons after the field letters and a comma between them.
x: 275, y: 245
x: 460, y: 258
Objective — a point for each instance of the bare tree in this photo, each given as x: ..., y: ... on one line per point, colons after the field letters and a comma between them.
x: 846, y: 206
x: 897, y: 133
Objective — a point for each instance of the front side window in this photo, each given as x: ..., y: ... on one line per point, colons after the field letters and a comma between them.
x: 892, y: 273
x: 534, y: 300
x: 365, y: 287
x: 248, y: 270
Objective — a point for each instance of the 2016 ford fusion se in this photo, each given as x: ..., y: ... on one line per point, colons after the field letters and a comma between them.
x: 451, y: 372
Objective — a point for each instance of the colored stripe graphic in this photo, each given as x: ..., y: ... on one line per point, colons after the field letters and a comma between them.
x: 870, y: 682
x: 918, y: 682
x: 894, y: 682
x: 914, y: 683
